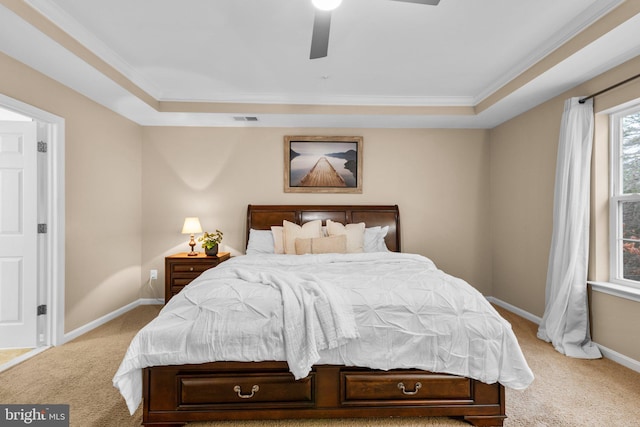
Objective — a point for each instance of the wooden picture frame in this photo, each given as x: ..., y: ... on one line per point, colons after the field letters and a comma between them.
x: 323, y: 164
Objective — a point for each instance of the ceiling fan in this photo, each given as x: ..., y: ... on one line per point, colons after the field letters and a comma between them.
x: 322, y: 24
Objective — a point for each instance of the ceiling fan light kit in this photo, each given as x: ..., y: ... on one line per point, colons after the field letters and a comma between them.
x: 326, y: 4
x: 322, y: 24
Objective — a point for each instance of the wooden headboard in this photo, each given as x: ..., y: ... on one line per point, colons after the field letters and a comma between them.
x: 262, y: 217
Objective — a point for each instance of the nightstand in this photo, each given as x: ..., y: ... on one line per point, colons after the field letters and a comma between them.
x: 180, y: 269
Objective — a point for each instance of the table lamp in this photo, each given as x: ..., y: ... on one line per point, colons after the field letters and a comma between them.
x: 191, y: 226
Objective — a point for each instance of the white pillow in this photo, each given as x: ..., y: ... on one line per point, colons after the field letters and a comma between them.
x: 354, y: 233
x: 278, y: 241
x: 374, y: 239
x: 291, y: 232
x: 260, y: 242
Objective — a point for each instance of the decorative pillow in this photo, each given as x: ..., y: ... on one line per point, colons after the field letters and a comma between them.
x: 354, y: 233
x: 260, y: 242
x: 278, y: 240
x: 291, y: 232
x: 374, y: 239
x: 322, y: 245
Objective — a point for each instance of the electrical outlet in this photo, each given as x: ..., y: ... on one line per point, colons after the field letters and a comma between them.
x: 153, y: 275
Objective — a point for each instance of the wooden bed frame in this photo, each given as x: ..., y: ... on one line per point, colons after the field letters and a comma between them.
x: 175, y: 395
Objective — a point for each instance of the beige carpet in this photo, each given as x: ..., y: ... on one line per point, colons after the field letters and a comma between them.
x: 566, y: 392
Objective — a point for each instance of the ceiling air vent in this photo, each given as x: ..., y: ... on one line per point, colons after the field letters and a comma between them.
x: 245, y: 119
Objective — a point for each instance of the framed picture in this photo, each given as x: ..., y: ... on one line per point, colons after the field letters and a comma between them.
x: 323, y: 164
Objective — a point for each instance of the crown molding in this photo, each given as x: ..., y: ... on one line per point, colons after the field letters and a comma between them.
x: 82, y: 35
x: 590, y: 15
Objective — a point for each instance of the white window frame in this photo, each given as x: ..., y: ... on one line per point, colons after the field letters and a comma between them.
x: 616, y: 274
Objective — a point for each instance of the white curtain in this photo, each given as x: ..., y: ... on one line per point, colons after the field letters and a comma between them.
x: 566, y: 315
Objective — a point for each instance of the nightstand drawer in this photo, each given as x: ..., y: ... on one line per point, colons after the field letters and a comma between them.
x: 182, y: 280
x: 177, y: 288
x: 196, y: 268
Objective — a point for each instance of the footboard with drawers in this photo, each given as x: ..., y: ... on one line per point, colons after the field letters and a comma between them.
x: 267, y: 390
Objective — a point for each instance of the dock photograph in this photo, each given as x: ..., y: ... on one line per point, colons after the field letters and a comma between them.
x: 323, y: 164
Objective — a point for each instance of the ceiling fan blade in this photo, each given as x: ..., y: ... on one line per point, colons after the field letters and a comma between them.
x: 320, y: 36
x: 428, y: 2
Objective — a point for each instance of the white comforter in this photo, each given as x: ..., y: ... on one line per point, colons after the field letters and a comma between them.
x: 375, y: 310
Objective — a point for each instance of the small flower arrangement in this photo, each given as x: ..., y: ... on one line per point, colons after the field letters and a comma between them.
x: 210, y: 240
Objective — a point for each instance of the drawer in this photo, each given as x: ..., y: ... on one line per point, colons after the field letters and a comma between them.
x: 176, y: 289
x: 182, y: 279
x: 402, y: 387
x: 267, y: 390
x: 187, y: 268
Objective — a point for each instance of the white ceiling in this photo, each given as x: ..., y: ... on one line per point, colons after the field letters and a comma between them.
x: 381, y: 53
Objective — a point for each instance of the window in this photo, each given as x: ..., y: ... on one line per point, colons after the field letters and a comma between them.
x: 625, y: 197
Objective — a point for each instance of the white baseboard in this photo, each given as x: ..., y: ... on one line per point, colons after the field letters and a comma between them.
x: 151, y: 301
x: 619, y: 358
x: 107, y: 317
x: 512, y: 308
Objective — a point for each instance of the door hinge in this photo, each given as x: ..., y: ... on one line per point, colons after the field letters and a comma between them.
x: 42, y: 309
x: 42, y: 228
x: 42, y: 147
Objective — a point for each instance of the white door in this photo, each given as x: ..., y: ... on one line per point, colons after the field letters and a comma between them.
x: 18, y: 234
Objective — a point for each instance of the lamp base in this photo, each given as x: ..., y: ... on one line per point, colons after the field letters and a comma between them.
x: 192, y: 243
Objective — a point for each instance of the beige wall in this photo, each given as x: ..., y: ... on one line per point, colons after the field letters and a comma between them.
x: 615, y: 324
x: 103, y: 187
x: 523, y: 154
x: 523, y: 157
x: 439, y: 178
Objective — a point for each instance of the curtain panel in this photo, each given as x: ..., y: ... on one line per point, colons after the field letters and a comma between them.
x: 566, y: 316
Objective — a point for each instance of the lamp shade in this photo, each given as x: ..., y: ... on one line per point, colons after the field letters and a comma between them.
x: 191, y: 225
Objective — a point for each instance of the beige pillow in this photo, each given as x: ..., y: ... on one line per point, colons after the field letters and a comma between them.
x: 322, y: 245
x: 354, y: 233
x: 278, y: 243
x: 291, y: 232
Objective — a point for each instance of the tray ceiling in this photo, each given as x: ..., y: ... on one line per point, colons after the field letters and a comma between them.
x: 390, y: 64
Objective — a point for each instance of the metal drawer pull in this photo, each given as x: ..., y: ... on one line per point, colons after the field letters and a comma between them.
x: 191, y: 269
x: 238, y: 390
x: 409, y: 393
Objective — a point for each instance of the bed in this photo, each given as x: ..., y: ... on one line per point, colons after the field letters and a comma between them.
x: 253, y: 387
